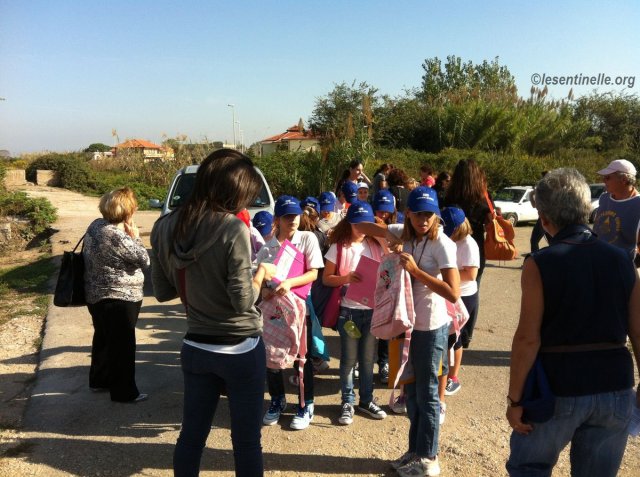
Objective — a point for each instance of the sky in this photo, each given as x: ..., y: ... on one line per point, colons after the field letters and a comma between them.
x: 72, y: 71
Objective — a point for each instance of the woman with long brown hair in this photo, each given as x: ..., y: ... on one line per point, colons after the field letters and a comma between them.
x: 202, y: 252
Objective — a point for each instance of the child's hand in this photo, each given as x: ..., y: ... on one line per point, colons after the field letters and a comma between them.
x: 408, y: 263
x: 283, y: 288
x: 353, y: 277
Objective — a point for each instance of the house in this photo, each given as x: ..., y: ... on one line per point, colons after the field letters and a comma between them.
x: 148, y: 150
x: 295, y: 138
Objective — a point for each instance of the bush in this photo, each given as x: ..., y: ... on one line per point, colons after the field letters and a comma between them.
x: 74, y: 171
x: 39, y: 212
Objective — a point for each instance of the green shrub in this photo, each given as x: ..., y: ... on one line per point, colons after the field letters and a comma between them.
x: 74, y: 171
x: 39, y: 211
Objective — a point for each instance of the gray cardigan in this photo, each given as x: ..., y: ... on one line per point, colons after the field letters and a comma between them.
x: 217, y: 262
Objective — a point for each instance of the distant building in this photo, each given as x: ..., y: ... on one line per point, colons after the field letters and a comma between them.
x: 148, y: 150
x: 295, y: 138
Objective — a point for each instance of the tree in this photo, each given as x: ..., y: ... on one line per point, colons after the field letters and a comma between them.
x: 97, y: 147
x: 461, y: 81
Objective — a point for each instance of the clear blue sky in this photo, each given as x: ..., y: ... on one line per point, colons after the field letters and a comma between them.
x: 73, y: 70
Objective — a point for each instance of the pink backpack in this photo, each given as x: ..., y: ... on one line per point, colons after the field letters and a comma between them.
x: 285, y: 333
x: 393, y: 314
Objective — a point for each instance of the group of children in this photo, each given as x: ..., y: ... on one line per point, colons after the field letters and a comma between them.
x: 435, y: 248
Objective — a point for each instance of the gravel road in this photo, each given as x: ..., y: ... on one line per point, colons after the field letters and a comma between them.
x: 67, y: 430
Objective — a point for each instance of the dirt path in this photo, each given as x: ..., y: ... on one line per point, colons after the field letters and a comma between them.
x: 67, y: 430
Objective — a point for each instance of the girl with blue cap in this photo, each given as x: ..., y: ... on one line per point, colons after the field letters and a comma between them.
x: 286, y: 222
x: 357, y: 344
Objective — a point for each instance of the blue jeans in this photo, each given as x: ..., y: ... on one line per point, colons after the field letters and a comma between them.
x: 362, y: 350
x: 596, y: 426
x: 423, y: 402
x: 206, y: 375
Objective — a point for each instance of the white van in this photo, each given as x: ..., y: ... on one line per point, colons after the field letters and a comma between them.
x: 182, y: 185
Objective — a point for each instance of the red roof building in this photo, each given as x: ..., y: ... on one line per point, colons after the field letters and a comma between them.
x: 147, y: 149
x: 295, y: 138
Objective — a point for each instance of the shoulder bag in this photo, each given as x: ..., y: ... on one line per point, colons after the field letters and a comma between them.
x: 498, y: 243
x: 70, y: 284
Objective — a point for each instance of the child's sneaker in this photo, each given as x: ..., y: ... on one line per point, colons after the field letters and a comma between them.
x: 319, y: 365
x: 399, y: 405
x: 453, y: 386
x: 277, y: 407
x: 403, y: 460
x: 373, y: 410
x: 443, y: 412
x: 383, y: 373
x: 303, y: 417
x: 419, y: 467
x: 346, y: 417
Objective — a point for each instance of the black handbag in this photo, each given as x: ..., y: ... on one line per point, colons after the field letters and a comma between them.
x: 70, y: 284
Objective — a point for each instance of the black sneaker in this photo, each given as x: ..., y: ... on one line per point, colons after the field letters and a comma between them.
x: 373, y: 410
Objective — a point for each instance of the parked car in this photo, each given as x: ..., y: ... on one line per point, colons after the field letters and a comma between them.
x: 596, y: 191
x: 515, y: 204
x: 182, y: 185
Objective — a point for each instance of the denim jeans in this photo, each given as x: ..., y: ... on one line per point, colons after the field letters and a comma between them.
x: 361, y: 349
x: 205, y: 375
x: 423, y: 402
x: 596, y: 426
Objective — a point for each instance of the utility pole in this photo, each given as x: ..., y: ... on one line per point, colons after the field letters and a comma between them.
x: 233, y: 112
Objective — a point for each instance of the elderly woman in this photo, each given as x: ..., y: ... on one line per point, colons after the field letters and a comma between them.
x: 580, y: 300
x: 114, y: 257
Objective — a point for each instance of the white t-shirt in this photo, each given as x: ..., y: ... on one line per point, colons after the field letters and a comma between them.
x: 306, y: 242
x: 468, y: 255
x: 431, y: 256
x: 349, y: 261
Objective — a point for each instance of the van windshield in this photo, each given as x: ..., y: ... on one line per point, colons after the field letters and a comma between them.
x: 186, y: 182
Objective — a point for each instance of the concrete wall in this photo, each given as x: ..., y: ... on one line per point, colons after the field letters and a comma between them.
x: 47, y: 178
x: 15, y: 177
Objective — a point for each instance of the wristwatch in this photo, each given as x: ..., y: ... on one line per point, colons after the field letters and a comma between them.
x: 513, y: 403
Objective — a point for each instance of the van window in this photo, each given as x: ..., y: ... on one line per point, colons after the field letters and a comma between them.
x: 184, y: 187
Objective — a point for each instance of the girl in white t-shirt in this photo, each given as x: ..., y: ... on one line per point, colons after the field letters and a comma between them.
x: 357, y: 344
x: 430, y: 257
x: 458, y: 228
x: 287, y: 220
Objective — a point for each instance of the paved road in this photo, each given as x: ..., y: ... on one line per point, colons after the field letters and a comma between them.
x: 70, y: 431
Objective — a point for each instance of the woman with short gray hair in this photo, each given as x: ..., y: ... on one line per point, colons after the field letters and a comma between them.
x: 580, y: 300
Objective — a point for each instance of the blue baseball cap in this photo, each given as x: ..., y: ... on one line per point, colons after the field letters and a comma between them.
x: 452, y: 217
x: 263, y: 222
x: 350, y: 191
x: 423, y: 199
x: 327, y: 202
x: 384, y: 201
x: 359, y: 211
x: 312, y: 201
x: 287, y: 205
x: 399, y: 217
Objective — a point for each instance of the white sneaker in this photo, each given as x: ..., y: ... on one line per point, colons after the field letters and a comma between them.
x: 420, y: 467
x: 346, y: 417
x: 399, y: 405
x: 303, y: 417
x: 443, y: 412
x: 403, y: 460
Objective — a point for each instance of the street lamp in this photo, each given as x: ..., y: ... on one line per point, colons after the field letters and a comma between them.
x: 238, y: 125
x: 233, y: 111
x: 241, y: 139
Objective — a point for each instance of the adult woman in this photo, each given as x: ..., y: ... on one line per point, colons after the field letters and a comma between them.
x: 580, y: 299
x: 354, y: 173
x: 441, y: 186
x: 430, y: 257
x: 114, y: 257
x: 466, y: 191
x: 397, y: 180
x: 202, y: 252
x: 380, y: 178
